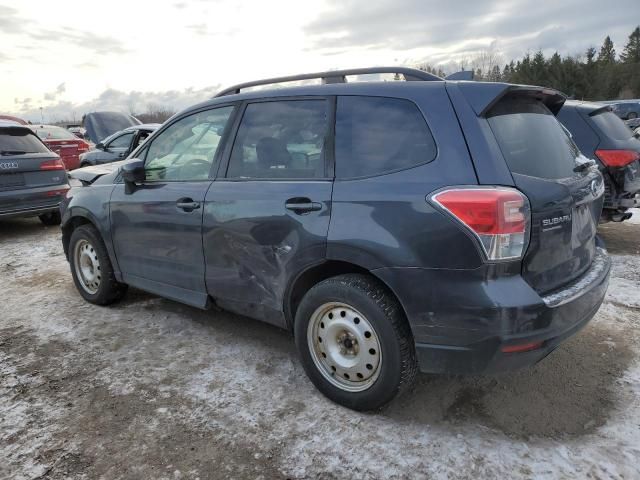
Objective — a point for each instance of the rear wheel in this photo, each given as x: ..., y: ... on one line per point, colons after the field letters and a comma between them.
x: 91, y: 268
x: 632, y: 115
x: 355, y: 343
x: 50, y: 218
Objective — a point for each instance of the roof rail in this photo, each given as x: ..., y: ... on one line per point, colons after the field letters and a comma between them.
x: 334, y: 76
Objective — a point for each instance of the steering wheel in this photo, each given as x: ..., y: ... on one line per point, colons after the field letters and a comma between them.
x: 194, y: 163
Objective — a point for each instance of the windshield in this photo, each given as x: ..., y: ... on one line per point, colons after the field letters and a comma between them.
x: 610, y: 125
x: 54, y: 133
x: 18, y: 141
x: 532, y: 141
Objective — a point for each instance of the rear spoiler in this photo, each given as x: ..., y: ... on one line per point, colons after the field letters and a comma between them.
x: 603, y: 109
x: 482, y: 96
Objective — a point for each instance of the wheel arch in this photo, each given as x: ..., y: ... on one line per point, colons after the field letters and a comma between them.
x: 77, y: 219
x: 315, y: 274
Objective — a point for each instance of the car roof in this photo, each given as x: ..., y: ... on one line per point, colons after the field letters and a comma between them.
x: 586, y: 106
x: 394, y: 89
x: 44, y: 125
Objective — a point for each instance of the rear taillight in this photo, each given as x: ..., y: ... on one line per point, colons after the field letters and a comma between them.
x: 499, y: 217
x: 55, y: 164
x: 617, y: 158
x: 83, y: 147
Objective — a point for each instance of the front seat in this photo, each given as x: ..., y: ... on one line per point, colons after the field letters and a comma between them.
x: 272, y: 153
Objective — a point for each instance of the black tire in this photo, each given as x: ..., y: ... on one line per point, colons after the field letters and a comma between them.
x: 397, y: 367
x: 108, y: 289
x: 50, y: 219
x: 632, y: 115
x: 85, y: 164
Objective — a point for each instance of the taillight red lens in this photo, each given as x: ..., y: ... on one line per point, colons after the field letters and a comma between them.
x: 55, y: 164
x: 83, y: 146
x: 522, y: 347
x: 617, y: 158
x: 486, y: 211
x: 498, y: 216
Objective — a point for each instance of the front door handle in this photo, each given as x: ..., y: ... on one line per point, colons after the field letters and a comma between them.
x: 302, y: 205
x: 187, y: 204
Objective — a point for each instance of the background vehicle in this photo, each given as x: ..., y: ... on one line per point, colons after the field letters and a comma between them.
x: 627, y: 110
x: 13, y: 119
x: 632, y: 123
x: 119, y: 145
x: 63, y: 142
x: 100, y: 125
x: 32, y: 178
x: 603, y: 137
x: 445, y: 226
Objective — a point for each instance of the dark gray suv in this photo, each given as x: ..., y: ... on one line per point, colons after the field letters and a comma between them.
x: 443, y: 226
x: 33, y: 179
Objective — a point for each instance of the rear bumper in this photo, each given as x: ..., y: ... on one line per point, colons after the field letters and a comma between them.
x: 31, y: 201
x: 463, y: 328
x: 30, y: 211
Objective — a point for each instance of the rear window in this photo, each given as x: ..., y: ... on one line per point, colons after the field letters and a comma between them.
x: 18, y: 141
x: 609, y: 124
x: 532, y: 141
x: 54, y: 133
x: 375, y: 135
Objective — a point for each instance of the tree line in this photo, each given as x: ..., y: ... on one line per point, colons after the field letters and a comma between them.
x: 596, y: 75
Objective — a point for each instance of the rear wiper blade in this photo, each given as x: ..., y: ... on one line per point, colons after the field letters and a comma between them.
x: 12, y: 152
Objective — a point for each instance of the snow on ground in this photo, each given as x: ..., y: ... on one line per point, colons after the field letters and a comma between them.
x: 635, y: 217
x: 149, y: 388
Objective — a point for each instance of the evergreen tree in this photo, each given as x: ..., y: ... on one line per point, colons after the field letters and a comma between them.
x: 631, y: 52
x: 607, y: 53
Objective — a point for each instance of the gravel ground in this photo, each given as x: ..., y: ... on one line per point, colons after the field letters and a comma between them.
x: 152, y: 389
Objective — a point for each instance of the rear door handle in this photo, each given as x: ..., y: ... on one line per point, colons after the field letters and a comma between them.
x: 187, y: 204
x: 302, y: 205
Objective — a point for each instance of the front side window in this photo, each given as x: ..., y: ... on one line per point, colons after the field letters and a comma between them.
x: 186, y: 150
x: 121, y: 142
x: 375, y: 135
x: 282, y: 139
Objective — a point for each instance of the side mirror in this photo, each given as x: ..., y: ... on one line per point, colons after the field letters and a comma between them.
x: 133, y: 174
x: 100, y: 146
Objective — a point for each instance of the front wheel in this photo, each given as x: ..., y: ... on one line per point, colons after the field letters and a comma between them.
x: 91, y: 268
x: 354, y: 341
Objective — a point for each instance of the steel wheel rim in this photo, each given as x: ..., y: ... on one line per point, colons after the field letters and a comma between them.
x: 344, y: 347
x: 87, y: 266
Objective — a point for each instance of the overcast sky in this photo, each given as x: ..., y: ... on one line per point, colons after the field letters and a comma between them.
x: 69, y: 57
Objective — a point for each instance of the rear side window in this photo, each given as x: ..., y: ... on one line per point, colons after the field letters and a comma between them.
x: 18, y: 141
x: 375, y: 135
x: 532, y: 141
x: 610, y: 125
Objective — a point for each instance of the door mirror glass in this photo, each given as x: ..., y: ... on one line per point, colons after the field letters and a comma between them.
x: 100, y: 146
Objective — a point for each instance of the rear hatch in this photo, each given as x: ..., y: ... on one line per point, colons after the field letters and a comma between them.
x: 565, y: 193
x: 618, y: 150
x: 26, y: 163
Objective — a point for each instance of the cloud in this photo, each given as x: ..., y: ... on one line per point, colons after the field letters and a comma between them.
x: 98, y: 44
x: 60, y: 89
x: 199, y: 28
x: 464, y: 26
x: 10, y: 21
x: 114, y: 100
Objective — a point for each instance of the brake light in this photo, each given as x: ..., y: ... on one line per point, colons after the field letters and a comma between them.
x: 499, y: 217
x: 617, y: 158
x: 55, y: 164
x: 83, y: 146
